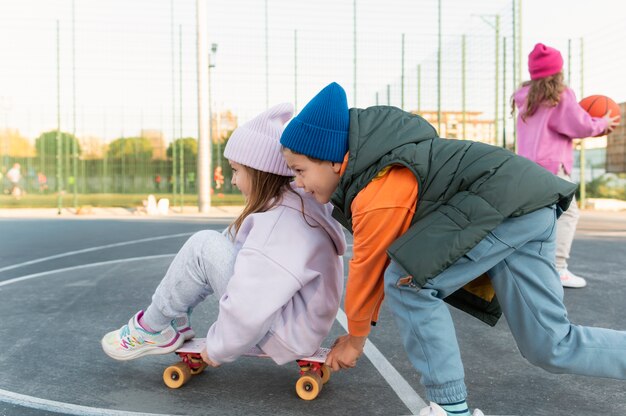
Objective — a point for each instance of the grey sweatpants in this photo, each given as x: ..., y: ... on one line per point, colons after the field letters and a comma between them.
x: 202, y: 267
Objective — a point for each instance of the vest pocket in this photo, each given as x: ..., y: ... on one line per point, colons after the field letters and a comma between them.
x: 455, y: 215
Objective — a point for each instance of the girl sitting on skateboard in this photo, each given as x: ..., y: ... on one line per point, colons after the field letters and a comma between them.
x: 277, y: 269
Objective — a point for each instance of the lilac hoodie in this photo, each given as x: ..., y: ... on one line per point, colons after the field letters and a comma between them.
x: 546, y: 136
x: 287, y: 283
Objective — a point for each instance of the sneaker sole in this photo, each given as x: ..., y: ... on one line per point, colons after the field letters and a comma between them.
x: 568, y: 285
x: 187, y: 333
x: 143, y: 351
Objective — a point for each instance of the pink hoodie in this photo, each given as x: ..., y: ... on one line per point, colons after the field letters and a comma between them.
x: 287, y: 283
x: 546, y: 136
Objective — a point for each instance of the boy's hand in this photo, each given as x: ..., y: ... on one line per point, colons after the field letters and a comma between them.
x: 207, y: 360
x: 345, y: 352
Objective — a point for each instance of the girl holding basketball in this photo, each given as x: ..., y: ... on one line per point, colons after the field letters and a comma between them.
x: 277, y: 269
x: 549, y: 118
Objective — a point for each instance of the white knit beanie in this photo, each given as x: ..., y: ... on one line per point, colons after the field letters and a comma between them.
x: 257, y: 143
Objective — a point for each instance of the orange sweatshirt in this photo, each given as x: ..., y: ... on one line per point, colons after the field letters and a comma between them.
x: 381, y: 212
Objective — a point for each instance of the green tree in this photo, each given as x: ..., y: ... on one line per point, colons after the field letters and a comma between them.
x: 608, y: 185
x: 190, y: 148
x: 134, y: 148
x: 129, y: 162
x: 46, y: 144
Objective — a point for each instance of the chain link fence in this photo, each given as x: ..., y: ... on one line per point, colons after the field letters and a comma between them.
x: 100, y: 98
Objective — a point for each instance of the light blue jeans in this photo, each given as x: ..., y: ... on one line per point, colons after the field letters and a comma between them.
x: 519, y: 258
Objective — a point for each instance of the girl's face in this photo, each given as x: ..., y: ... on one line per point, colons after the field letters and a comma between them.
x: 241, y: 179
x: 320, y: 179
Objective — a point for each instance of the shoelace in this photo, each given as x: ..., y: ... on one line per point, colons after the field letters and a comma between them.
x: 125, y: 331
x: 127, y: 340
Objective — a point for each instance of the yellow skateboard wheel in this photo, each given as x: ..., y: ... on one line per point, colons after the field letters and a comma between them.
x: 196, y: 371
x: 325, y: 373
x: 309, y: 386
x: 175, y: 376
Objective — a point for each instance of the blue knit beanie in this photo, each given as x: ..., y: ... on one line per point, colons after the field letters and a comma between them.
x: 320, y: 130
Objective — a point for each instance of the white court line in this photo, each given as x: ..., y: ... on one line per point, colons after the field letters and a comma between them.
x: 87, y: 250
x: 61, y: 407
x: 400, y: 386
x: 64, y: 408
x: 591, y: 233
x: 82, y: 266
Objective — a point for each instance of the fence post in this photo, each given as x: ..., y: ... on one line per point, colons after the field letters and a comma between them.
x: 354, y: 51
x: 74, y: 144
x: 583, y: 185
x: 59, y: 173
x: 504, y: 92
x: 497, y: 71
x: 180, y: 117
x: 402, y: 77
x: 295, y: 69
x: 439, y: 67
x: 174, y: 152
x: 204, y: 109
x: 267, y: 60
x: 419, y: 88
x: 463, y: 87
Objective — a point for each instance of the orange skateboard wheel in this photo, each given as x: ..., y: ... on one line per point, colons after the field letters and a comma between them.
x: 325, y: 373
x: 198, y: 370
x: 309, y: 386
x: 175, y: 376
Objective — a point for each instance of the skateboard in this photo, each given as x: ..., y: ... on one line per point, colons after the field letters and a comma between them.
x: 313, y: 372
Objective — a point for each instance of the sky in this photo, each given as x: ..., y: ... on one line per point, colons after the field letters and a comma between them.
x: 600, y: 22
x: 131, y: 73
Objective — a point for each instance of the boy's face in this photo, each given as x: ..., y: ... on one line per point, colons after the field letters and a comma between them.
x: 317, y: 178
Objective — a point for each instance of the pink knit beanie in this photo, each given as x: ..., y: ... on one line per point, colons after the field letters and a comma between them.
x: 544, y: 61
x: 257, y: 143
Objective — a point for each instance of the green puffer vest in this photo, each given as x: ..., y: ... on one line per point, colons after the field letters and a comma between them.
x: 466, y: 189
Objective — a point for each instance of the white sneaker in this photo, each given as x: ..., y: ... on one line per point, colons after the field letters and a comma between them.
x: 132, y: 341
x: 435, y: 410
x: 569, y: 279
x: 183, y: 326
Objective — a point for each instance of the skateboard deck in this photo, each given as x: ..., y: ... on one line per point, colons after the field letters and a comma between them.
x: 195, y: 346
x: 313, y: 372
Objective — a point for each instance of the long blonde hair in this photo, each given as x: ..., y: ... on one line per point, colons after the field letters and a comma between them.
x: 543, y: 91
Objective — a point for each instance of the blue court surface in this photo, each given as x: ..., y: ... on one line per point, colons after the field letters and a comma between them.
x: 66, y: 282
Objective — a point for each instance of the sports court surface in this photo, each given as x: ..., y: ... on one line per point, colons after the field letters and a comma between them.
x: 65, y: 282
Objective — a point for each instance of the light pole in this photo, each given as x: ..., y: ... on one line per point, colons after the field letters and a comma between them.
x: 5, y: 107
x: 212, y: 55
x: 204, y: 142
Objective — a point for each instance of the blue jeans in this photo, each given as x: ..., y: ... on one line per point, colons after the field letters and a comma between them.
x: 518, y: 256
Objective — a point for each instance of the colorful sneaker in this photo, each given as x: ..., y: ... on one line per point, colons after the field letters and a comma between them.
x: 183, y: 326
x: 569, y: 279
x: 435, y: 410
x: 132, y: 341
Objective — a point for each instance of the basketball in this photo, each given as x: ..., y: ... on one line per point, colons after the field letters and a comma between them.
x: 599, y: 105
